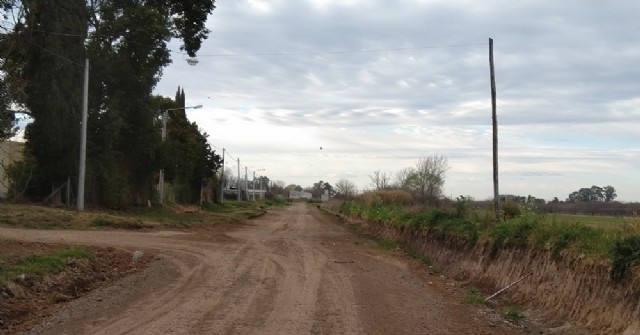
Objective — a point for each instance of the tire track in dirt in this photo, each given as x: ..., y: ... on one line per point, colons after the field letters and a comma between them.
x: 292, y: 271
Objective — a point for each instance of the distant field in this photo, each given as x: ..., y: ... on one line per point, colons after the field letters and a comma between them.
x: 598, y: 221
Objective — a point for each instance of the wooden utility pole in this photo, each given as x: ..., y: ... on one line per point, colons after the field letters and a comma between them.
x: 496, y: 192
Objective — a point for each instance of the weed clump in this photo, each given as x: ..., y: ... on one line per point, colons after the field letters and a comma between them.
x: 473, y: 297
x: 513, y: 314
x: 625, y: 253
x: 42, y: 264
x: 514, y: 233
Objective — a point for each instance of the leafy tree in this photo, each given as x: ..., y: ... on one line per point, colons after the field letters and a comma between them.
x: 7, y: 119
x: 403, y: 178
x: 318, y: 189
x: 187, y: 158
x: 593, y: 194
x: 127, y: 44
x: 49, y: 70
x: 263, y: 182
x: 609, y: 193
x: 294, y: 187
x: 428, y: 177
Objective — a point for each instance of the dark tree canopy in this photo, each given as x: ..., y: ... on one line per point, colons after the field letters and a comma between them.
x: 593, y: 194
x: 42, y: 66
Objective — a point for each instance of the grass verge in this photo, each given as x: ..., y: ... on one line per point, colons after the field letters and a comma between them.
x: 604, y: 238
x: 171, y: 216
x: 39, y: 264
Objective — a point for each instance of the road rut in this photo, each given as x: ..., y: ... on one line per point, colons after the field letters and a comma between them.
x: 292, y: 271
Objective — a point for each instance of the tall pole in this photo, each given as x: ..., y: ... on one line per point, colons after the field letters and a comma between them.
x: 83, y: 136
x: 222, y: 178
x: 238, y: 182
x: 246, y: 183
x: 496, y: 193
x: 165, y: 115
x: 254, y: 186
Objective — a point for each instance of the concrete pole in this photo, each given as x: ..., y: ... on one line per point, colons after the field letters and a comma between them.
x: 83, y: 136
x: 222, y: 179
x: 254, y: 186
x: 246, y: 183
x: 238, y: 181
x: 165, y: 115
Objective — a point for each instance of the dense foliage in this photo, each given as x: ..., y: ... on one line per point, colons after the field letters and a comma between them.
x: 126, y: 42
x: 593, y: 194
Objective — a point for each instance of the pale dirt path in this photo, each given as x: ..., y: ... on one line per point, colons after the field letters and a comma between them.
x: 292, y: 271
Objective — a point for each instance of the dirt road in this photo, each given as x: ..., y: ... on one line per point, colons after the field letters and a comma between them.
x: 292, y: 271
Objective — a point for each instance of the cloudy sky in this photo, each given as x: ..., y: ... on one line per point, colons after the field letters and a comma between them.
x: 380, y: 84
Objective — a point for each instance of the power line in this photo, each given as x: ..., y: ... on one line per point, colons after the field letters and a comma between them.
x: 343, y: 51
x: 56, y: 55
x: 286, y: 53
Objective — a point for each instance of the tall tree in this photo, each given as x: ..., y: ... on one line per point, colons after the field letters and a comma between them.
x: 127, y: 44
x: 188, y: 160
x: 593, y: 194
x: 429, y: 175
x: 609, y: 193
x: 7, y: 119
x: 52, y: 56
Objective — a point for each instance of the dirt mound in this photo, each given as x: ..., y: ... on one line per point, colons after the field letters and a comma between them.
x: 31, y: 297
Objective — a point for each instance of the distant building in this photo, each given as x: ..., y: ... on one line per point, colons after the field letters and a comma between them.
x: 10, y: 152
x: 299, y: 195
x: 325, y: 196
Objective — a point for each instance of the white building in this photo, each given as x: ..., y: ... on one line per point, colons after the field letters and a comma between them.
x: 299, y: 195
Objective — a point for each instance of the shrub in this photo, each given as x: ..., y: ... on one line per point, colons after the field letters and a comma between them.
x: 430, y: 218
x: 510, y: 210
x: 513, y: 314
x: 101, y: 222
x: 473, y: 297
x: 463, y: 206
x: 625, y: 253
x: 515, y: 232
x: 389, y: 197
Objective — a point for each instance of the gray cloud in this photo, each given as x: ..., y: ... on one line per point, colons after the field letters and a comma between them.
x: 567, y: 78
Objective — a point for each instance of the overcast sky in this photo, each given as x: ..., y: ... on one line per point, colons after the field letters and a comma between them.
x: 380, y: 84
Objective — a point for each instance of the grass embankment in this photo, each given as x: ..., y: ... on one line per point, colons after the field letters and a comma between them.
x: 614, y: 239
x: 43, y: 264
x: 171, y: 216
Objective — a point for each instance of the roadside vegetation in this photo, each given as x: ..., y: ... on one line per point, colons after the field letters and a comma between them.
x: 615, y: 239
x: 42, y: 264
x: 170, y: 216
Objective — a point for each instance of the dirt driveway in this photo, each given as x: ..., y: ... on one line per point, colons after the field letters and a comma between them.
x: 292, y: 271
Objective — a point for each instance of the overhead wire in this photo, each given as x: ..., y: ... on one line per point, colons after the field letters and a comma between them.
x: 285, y: 53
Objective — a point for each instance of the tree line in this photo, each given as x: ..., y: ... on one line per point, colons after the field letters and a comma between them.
x: 424, y: 181
x: 41, y: 65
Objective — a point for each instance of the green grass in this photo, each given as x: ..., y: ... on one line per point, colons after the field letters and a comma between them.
x: 40, y: 264
x: 513, y: 314
x: 387, y: 245
x: 423, y: 259
x: 473, y: 297
x: 591, y: 236
x: 44, y: 217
